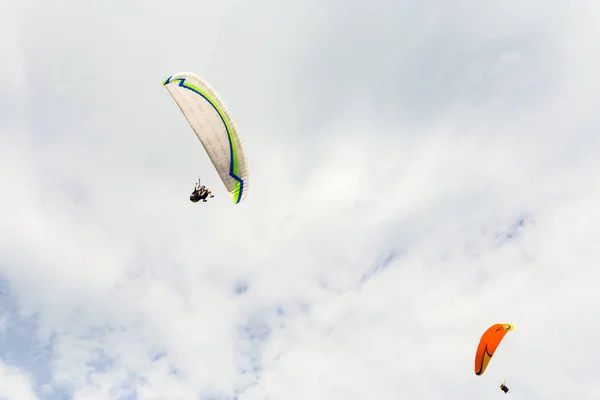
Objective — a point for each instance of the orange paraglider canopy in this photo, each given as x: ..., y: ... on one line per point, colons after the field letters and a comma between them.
x: 488, y: 344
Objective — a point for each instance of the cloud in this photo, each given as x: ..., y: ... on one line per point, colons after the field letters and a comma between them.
x: 15, y: 384
x: 418, y: 173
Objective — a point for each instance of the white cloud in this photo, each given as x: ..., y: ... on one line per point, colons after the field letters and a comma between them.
x: 419, y: 172
x: 14, y: 384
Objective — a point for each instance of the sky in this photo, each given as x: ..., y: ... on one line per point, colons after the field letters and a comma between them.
x: 419, y: 171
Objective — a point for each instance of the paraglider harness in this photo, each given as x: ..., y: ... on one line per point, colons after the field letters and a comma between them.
x: 504, y: 388
x: 199, y: 193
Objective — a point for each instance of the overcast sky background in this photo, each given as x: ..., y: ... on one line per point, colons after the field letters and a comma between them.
x: 419, y: 170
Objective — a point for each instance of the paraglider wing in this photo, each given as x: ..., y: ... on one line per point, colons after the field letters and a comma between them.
x: 488, y: 344
x: 212, y: 122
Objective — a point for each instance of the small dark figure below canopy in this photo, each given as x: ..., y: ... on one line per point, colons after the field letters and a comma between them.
x: 200, y: 193
x: 504, y: 388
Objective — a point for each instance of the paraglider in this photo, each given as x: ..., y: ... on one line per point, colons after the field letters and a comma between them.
x: 200, y: 192
x: 488, y: 344
x: 214, y: 126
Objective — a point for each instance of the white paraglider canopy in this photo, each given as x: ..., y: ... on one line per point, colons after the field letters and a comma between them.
x: 212, y: 122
